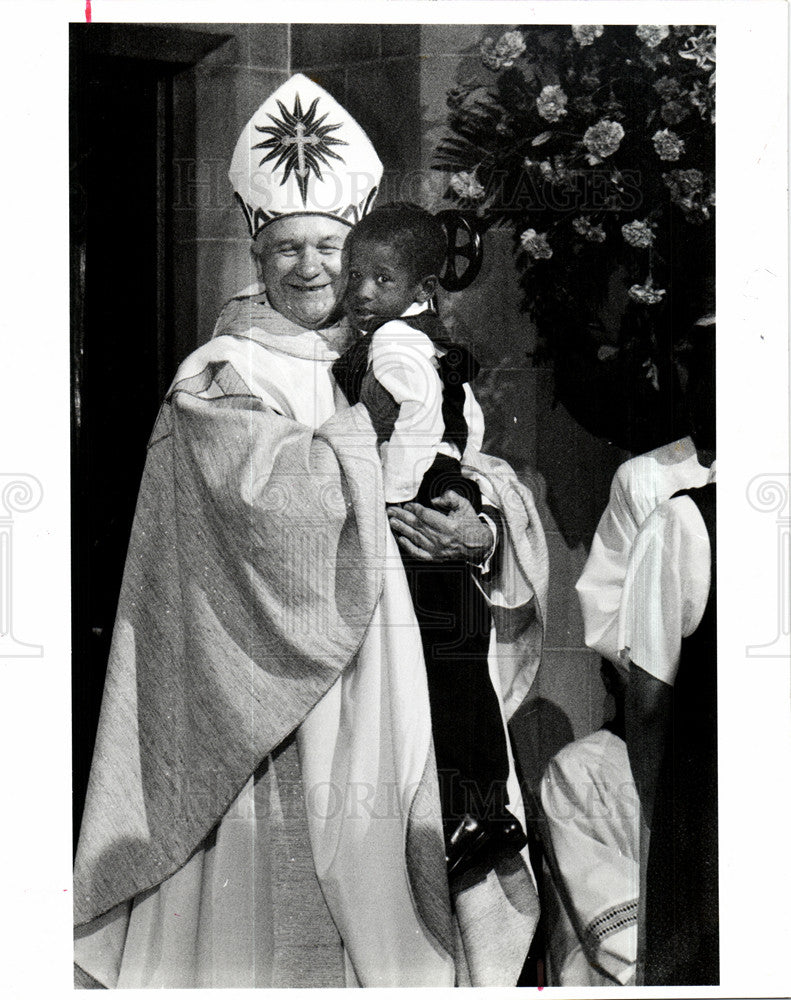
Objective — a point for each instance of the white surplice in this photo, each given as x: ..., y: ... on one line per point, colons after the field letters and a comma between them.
x: 591, y: 812
x: 638, y: 487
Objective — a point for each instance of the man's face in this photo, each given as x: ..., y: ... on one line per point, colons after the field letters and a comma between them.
x: 380, y: 286
x: 300, y: 259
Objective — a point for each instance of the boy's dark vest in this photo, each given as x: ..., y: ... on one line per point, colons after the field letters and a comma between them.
x: 456, y: 367
x: 682, y: 945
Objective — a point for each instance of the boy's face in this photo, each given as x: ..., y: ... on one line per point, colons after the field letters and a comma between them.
x: 381, y: 285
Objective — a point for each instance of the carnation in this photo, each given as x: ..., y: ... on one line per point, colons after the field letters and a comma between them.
x: 582, y: 225
x: 646, y: 294
x: 551, y: 103
x: 467, y: 185
x: 652, y: 34
x: 511, y: 46
x: 489, y: 56
x: 603, y: 139
x: 586, y: 34
x: 638, y: 234
x: 674, y: 112
x: 505, y: 52
x: 536, y: 244
x: 667, y: 144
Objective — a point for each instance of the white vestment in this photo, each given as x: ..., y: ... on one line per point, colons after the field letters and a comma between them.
x: 638, y: 487
x: 245, y: 910
x: 591, y: 814
x: 666, y: 587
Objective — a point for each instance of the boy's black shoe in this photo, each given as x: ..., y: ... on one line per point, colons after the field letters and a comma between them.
x: 506, y: 833
x: 465, y: 845
x: 483, y: 842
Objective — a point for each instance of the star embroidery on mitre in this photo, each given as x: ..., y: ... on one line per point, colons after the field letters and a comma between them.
x: 299, y: 141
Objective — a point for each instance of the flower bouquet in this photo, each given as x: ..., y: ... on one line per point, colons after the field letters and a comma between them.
x: 595, y: 145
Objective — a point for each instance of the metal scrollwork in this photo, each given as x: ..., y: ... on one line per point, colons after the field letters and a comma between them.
x: 455, y: 224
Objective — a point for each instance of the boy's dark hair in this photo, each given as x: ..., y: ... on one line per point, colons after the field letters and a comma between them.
x: 416, y: 235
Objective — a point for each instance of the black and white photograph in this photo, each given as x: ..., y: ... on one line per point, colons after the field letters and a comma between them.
x: 401, y: 639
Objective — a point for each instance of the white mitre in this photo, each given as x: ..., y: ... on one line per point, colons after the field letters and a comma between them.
x: 302, y: 154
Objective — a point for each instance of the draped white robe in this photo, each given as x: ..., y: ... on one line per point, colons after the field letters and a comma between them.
x: 328, y: 868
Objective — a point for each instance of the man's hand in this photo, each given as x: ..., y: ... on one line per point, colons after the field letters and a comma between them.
x: 455, y: 533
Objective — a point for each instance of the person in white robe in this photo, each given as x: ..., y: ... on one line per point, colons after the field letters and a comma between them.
x: 668, y: 633
x: 639, y: 485
x: 263, y: 805
x: 591, y: 838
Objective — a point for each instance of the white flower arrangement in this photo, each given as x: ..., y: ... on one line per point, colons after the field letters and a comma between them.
x: 652, y: 35
x: 667, y: 144
x: 638, y: 234
x: 467, y: 185
x: 551, y: 103
x: 602, y: 140
x: 586, y: 34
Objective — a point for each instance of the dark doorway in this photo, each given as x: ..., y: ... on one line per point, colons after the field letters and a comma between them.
x: 123, y: 346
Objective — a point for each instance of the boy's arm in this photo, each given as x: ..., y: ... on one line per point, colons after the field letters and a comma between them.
x: 402, y: 361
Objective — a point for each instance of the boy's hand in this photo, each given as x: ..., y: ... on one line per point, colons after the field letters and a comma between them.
x: 453, y: 533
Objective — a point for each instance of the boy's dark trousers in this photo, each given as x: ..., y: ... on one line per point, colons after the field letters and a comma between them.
x: 455, y: 627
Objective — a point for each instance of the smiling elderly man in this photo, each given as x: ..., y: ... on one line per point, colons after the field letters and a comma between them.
x: 263, y: 807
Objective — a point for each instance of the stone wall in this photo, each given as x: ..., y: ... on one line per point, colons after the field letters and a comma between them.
x: 212, y: 102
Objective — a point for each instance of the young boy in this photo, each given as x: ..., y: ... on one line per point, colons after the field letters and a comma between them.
x: 414, y: 383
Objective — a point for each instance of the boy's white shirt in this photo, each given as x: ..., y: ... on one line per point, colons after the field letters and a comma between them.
x: 404, y: 361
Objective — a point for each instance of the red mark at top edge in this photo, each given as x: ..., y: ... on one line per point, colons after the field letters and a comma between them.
x: 88, y: 11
